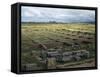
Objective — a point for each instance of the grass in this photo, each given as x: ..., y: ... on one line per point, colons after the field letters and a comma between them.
x: 73, y: 64
x: 53, y: 36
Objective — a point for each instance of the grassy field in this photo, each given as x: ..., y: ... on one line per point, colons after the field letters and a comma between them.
x: 53, y: 36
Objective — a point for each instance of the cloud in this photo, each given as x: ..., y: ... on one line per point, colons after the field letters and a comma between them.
x: 28, y: 14
x: 40, y: 14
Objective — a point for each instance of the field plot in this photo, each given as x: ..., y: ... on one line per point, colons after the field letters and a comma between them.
x: 57, y: 46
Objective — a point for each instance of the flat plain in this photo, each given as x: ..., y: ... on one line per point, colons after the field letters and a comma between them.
x: 50, y: 37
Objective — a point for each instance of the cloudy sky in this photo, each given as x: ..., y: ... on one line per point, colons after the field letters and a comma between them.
x: 40, y: 14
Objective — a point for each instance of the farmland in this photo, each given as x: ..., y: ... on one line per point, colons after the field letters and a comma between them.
x: 52, y: 37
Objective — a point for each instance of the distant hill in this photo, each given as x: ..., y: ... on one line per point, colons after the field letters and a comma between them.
x: 56, y: 22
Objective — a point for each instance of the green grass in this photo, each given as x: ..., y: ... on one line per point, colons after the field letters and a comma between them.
x: 53, y: 35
